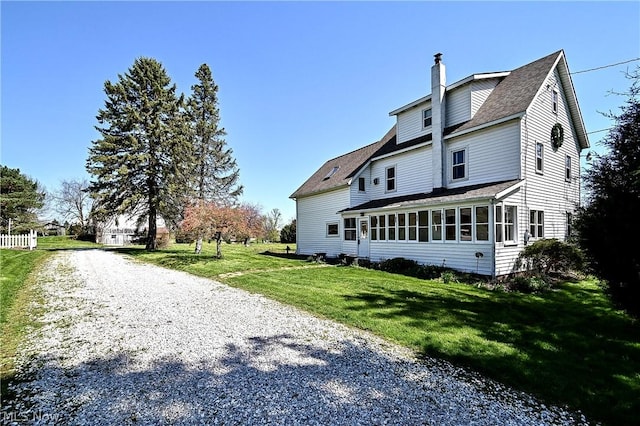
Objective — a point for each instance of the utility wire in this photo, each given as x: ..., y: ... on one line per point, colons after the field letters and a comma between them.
x: 598, y: 131
x: 606, y: 66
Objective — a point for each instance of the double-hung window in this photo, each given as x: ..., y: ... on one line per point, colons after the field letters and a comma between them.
x: 426, y: 118
x: 539, y: 157
x: 423, y: 226
x: 390, y: 174
x: 510, y: 219
x: 498, y: 220
x: 350, y: 229
x: 567, y: 168
x: 536, y: 223
x: 391, y: 227
x: 436, y: 225
x: 459, y: 164
x: 412, y: 226
x: 450, y: 224
x: 402, y: 226
x: 465, y: 224
x: 482, y: 223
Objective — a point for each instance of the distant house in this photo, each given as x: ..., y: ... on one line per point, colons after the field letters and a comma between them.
x: 467, y: 176
x: 53, y: 228
x: 123, y: 230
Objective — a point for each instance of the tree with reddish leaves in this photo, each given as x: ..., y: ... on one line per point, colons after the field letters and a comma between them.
x: 218, y: 221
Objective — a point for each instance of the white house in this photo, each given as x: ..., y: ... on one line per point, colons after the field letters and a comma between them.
x: 122, y: 229
x: 466, y: 177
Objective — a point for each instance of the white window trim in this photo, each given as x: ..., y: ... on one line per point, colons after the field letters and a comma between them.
x: 540, y: 171
x: 506, y: 242
x: 365, y: 184
x: 567, y: 168
x: 459, y: 225
x: 326, y: 229
x: 475, y: 224
x: 555, y: 100
x: 422, y: 118
x: 395, y: 179
x: 466, y: 164
x: 535, y: 223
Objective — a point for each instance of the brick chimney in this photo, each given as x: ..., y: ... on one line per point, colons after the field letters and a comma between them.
x: 438, y: 85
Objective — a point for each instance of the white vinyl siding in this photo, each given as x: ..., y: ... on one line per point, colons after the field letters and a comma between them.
x: 357, y: 196
x: 409, y: 123
x: 412, y: 234
x: 458, y: 105
x: 480, y: 91
x: 492, y: 155
x: 412, y: 174
x: 550, y: 192
x: 313, y: 215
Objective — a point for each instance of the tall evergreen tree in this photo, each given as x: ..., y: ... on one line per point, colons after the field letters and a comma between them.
x: 140, y: 165
x: 215, y: 172
x: 20, y: 198
x: 610, y: 216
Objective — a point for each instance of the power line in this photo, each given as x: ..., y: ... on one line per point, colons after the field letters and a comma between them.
x: 598, y: 131
x: 606, y: 66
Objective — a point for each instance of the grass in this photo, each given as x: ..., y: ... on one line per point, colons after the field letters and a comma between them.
x: 18, y: 292
x: 568, y: 347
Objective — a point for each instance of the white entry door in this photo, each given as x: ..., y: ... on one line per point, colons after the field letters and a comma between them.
x: 363, y: 237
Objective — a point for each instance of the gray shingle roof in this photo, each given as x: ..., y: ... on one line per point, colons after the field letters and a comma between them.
x: 347, y: 164
x: 472, y: 192
x: 512, y: 96
x: 514, y: 93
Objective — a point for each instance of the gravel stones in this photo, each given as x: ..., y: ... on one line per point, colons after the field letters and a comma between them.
x: 130, y: 343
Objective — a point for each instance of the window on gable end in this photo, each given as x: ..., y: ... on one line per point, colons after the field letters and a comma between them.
x: 390, y: 174
x: 539, y: 157
x: 554, y: 101
x: 361, y: 182
x: 426, y: 118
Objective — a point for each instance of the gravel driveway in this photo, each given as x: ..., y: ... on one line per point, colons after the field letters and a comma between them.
x: 128, y: 343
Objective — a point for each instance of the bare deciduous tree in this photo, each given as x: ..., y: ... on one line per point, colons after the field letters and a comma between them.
x: 73, y: 202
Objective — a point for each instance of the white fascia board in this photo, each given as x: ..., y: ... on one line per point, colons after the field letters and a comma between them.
x: 322, y: 191
x: 410, y: 105
x: 400, y: 151
x: 391, y: 154
x: 450, y: 87
x: 484, y: 126
x: 510, y: 190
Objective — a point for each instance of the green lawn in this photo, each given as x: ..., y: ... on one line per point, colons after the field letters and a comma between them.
x: 18, y: 291
x: 568, y: 346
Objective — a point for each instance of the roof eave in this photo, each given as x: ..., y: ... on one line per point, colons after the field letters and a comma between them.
x: 295, y: 195
x: 485, y: 125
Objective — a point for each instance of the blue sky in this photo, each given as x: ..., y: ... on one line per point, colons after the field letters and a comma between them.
x: 300, y: 82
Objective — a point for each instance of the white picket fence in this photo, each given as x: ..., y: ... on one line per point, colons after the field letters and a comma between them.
x: 29, y: 240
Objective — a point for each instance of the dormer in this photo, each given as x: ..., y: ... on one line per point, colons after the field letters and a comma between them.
x: 462, y: 99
